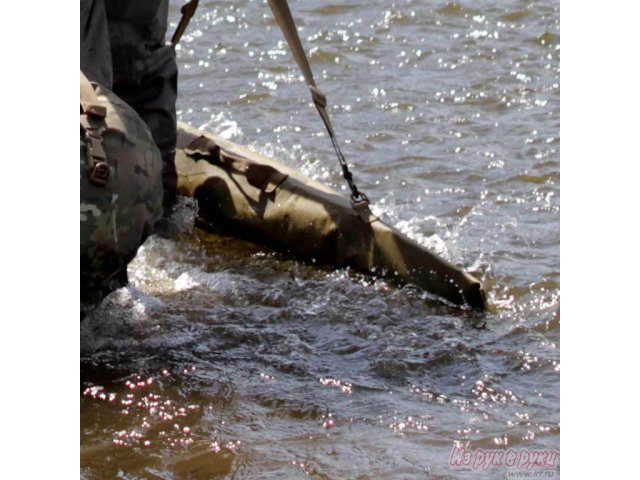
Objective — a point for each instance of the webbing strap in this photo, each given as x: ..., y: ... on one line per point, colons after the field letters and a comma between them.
x: 283, y: 16
x: 89, y: 103
x: 187, y: 12
x: 263, y: 177
x: 92, y: 116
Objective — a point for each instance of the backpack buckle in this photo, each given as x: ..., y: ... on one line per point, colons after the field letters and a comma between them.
x: 99, y: 174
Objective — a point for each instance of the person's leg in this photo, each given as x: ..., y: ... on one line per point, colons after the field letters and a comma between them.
x: 145, y: 74
x: 154, y: 99
x: 95, y: 51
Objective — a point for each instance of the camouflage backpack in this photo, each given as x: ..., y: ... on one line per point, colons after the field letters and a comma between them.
x: 120, y: 190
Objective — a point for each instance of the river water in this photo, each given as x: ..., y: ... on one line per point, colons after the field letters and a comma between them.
x: 224, y: 359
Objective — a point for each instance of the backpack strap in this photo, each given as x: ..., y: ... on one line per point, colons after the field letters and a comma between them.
x: 92, y: 124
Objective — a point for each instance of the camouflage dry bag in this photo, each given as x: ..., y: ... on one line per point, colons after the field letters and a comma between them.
x: 120, y: 190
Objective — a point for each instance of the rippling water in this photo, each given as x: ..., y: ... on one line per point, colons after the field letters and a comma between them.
x: 227, y: 360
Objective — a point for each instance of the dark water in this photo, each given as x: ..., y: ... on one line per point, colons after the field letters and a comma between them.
x: 227, y: 360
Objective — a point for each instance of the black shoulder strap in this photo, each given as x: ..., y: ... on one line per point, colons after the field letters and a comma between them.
x: 187, y: 12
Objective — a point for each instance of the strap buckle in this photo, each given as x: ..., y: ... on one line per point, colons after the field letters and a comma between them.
x: 360, y: 205
x: 99, y: 174
x: 99, y: 171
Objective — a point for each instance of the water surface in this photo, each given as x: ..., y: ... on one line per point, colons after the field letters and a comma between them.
x: 224, y: 359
